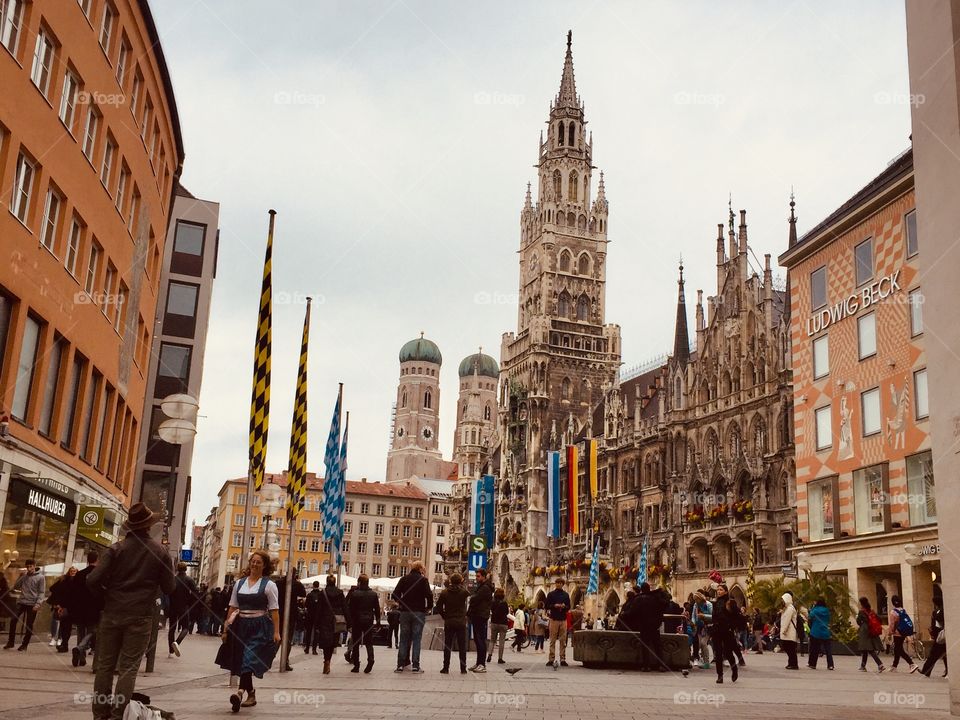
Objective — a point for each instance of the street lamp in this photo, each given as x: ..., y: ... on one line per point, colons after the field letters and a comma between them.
x: 269, y: 507
x: 180, y: 428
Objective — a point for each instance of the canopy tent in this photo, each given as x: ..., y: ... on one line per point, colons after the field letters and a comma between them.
x: 390, y: 584
x: 346, y: 581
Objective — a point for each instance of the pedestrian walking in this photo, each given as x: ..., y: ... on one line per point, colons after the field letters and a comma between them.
x: 84, y: 609
x: 330, y: 621
x: 364, y: 610
x: 32, y: 587
x: 251, y: 633
x: 788, y: 630
x: 900, y: 628
x: 539, y: 622
x: 60, y: 594
x: 414, y: 597
x: 452, y: 607
x: 311, y: 637
x: 723, y: 629
x: 393, y: 623
x: 498, y: 626
x: 558, y: 605
x: 869, y: 630
x: 481, y: 602
x: 702, y: 619
x: 182, y: 600
x: 757, y: 625
x: 938, y: 631
x: 820, y: 636
x: 519, y: 628
x: 129, y: 577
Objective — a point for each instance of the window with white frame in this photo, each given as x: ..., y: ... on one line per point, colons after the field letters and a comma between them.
x: 93, y: 267
x: 920, y: 393
x: 315, y: 545
x: 394, y: 531
x: 441, y: 530
x: 381, y: 510
x: 362, y: 548
x: 51, y: 220
x: 317, y: 525
x: 73, y: 246
x: 867, y: 335
x: 345, y: 547
x: 418, y: 532
x: 90, y: 132
x: 68, y: 98
x: 348, y: 526
x: 106, y: 26
x: 237, y: 539
x: 41, y: 69
x: 364, y: 508
x: 363, y: 528
x: 405, y: 551
x: 439, y: 549
x: 378, y: 529
x: 238, y: 519
x: 406, y: 531
x: 818, y: 288
x: 11, y: 16
x: 302, y: 544
x: 303, y: 523
x: 375, y: 569
x: 916, y: 312
x: 913, y: 247
x: 824, y: 427
x: 106, y: 167
x: 378, y: 548
x: 348, y: 506
x: 22, y: 188
x: 870, y: 411
x: 417, y: 552
x: 821, y: 357
x: 869, y: 499
x: 123, y: 61
x: 391, y: 570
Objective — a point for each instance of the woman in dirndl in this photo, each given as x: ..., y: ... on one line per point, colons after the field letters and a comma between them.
x: 251, y: 634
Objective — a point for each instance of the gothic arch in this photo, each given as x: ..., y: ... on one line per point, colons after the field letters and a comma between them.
x: 611, y: 606
x: 557, y: 190
x: 583, y: 264
x: 582, y: 222
x: 563, y: 304
x: 403, y: 398
x: 564, y: 260
x: 560, y: 129
x: 571, y: 219
x: 734, y: 441
x: 571, y: 129
x: 487, y: 412
x: 583, y: 307
x: 573, y: 182
x: 427, y: 400
x: 565, y: 389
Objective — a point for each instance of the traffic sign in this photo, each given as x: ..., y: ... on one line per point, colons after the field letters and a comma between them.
x: 477, y: 561
x: 186, y: 554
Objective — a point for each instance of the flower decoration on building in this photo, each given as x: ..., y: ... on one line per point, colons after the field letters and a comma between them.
x: 743, y: 510
x: 718, y: 512
x: 695, y: 515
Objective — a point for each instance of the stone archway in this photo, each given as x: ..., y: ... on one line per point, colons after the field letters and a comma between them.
x: 541, y: 597
x: 576, y: 597
x: 504, y: 572
x: 737, y: 594
x: 612, y: 604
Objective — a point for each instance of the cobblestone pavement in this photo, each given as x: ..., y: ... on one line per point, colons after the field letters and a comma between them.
x: 41, y: 683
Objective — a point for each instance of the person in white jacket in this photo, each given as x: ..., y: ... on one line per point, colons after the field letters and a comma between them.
x: 788, y: 630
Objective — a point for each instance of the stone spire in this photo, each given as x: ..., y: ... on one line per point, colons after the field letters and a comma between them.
x: 681, y: 338
x: 567, y: 97
x: 731, y: 234
x: 528, y: 201
x: 793, y: 222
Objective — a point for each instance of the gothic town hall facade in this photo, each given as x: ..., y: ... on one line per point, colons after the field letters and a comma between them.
x: 695, y: 453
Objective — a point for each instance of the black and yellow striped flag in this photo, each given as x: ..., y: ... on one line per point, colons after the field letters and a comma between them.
x: 751, y: 576
x: 297, y: 472
x: 260, y: 404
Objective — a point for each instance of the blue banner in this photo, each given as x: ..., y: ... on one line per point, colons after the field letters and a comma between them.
x: 553, y: 494
x: 488, y: 508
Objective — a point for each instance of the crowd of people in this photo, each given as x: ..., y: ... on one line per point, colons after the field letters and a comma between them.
x: 110, y: 609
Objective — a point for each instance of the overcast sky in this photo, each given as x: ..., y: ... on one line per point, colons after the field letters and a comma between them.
x: 395, y: 139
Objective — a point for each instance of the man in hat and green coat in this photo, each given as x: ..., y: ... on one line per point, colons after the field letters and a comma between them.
x: 130, y: 576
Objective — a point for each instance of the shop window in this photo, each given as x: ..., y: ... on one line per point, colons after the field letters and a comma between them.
x: 820, y: 509
x: 869, y: 499
x: 922, y: 495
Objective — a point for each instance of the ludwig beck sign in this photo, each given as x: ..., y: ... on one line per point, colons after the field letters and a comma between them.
x: 865, y: 297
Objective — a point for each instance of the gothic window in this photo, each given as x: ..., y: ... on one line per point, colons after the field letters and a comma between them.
x: 593, y: 224
x: 583, y: 307
x: 571, y: 219
x: 583, y: 264
x: 560, y: 134
x: 566, y: 341
x: 736, y: 442
x: 601, y: 225
x: 473, y: 437
x: 564, y: 261
x: 582, y: 222
x: 563, y: 305
x: 586, y: 188
x: 565, y: 389
x: 403, y: 399
x: 572, y: 183
x: 427, y: 400
x: 556, y: 185
x: 570, y: 132
x: 677, y: 389
x: 486, y: 412
x: 463, y: 413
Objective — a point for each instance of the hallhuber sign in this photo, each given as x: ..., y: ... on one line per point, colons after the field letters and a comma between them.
x: 868, y: 295
x: 43, y: 502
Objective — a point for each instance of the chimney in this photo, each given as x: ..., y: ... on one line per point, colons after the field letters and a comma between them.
x: 363, y: 479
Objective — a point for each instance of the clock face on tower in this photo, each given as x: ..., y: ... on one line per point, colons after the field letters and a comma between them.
x: 427, y: 433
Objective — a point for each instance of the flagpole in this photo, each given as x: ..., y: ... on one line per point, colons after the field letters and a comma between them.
x: 346, y: 427
x: 296, y: 475
x: 257, y: 462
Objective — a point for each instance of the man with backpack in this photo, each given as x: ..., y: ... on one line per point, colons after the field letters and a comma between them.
x: 900, y: 628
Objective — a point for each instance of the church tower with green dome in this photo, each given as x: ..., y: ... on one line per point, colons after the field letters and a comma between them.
x: 414, y: 451
x: 476, y: 427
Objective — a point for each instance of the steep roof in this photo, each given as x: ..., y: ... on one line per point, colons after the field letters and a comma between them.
x: 405, y: 490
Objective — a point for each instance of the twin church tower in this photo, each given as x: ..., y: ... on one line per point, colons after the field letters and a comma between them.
x: 556, y: 366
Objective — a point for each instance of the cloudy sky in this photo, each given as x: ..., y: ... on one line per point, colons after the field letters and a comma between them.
x: 395, y: 139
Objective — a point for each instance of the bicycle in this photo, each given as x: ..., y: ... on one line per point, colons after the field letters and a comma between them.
x: 511, y: 634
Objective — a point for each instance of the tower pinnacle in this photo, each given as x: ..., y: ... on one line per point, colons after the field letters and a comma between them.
x: 793, y: 222
x: 681, y: 338
x: 567, y: 97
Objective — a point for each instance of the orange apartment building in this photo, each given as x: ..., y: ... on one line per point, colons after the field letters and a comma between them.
x: 865, y: 489
x: 90, y: 148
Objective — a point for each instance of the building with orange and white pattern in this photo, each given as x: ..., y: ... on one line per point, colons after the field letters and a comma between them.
x: 865, y: 491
